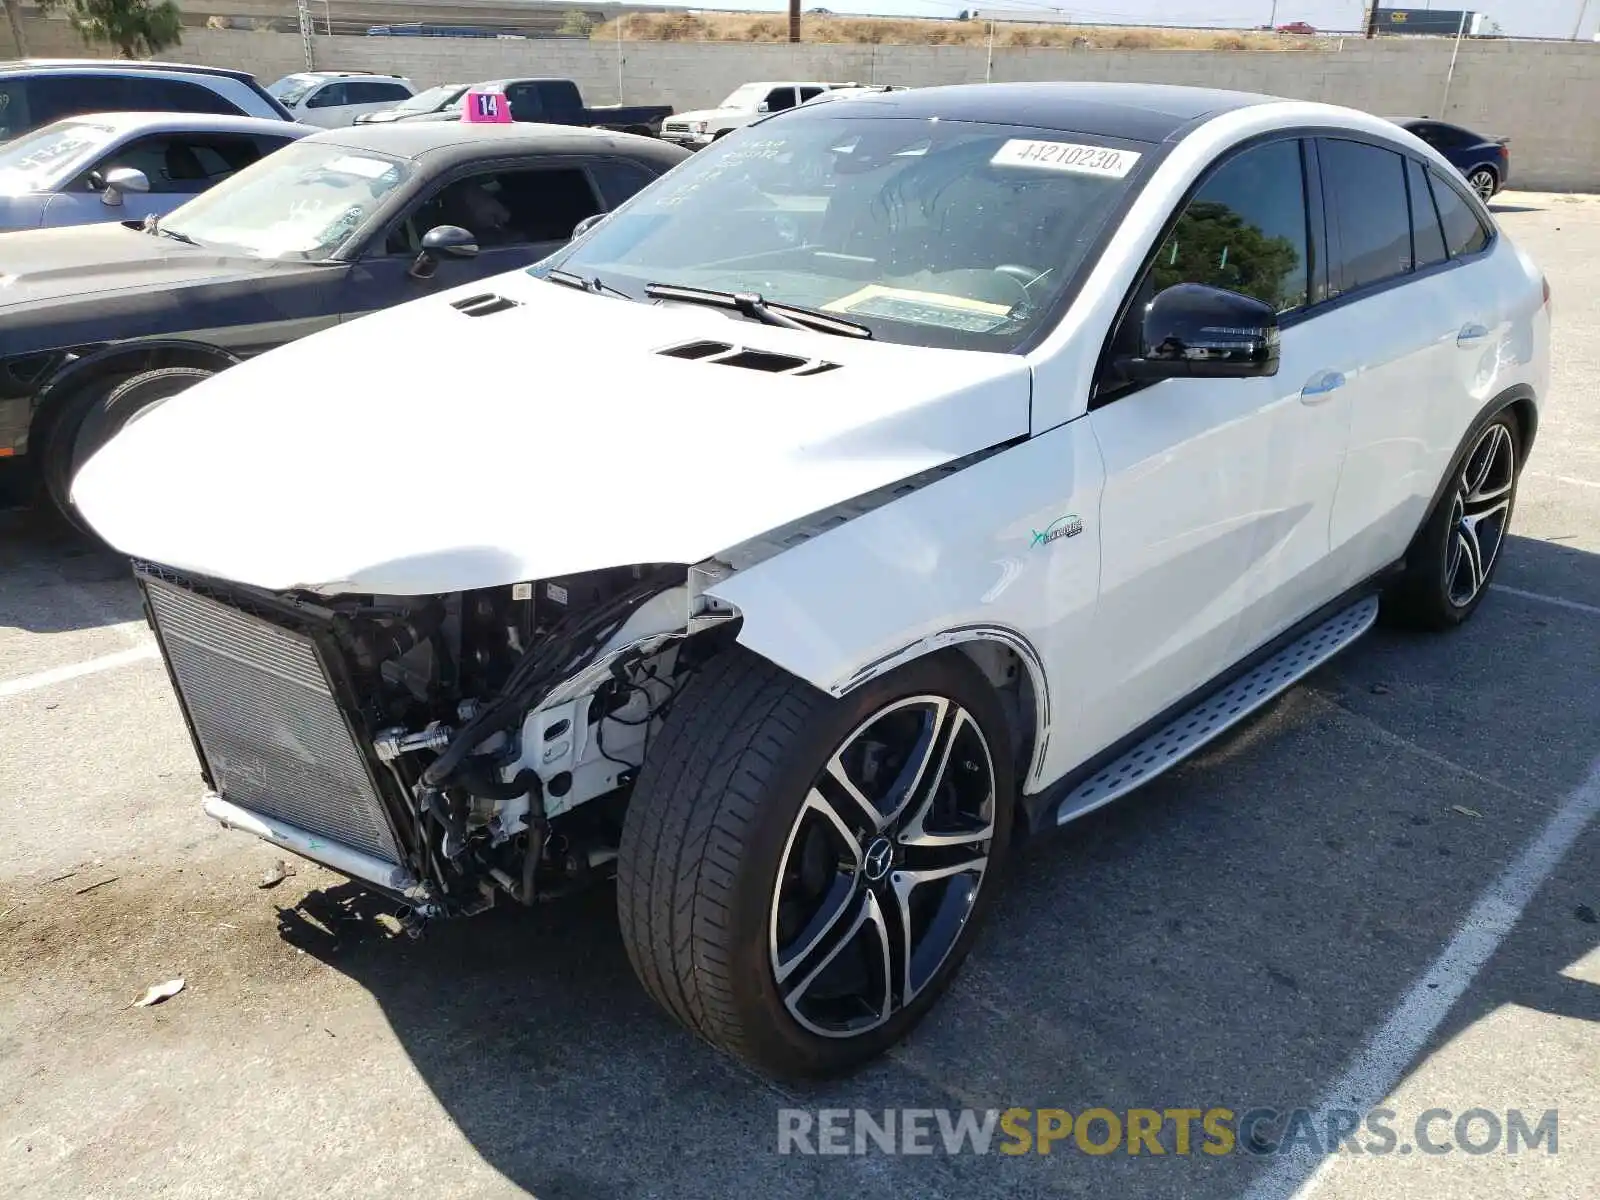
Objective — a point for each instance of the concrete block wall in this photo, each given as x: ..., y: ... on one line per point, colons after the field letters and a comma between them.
x: 1539, y: 94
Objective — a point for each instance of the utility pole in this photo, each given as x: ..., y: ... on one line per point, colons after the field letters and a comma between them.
x: 794, y: 20
x: 14, y: 19
x: 1272, y: 21
x: 1577, y: 28
x: 1372, y: 21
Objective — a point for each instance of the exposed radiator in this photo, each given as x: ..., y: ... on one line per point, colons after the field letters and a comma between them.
x: 265, y: 715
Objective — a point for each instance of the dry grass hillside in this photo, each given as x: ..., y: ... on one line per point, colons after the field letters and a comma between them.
x: 738, y: 27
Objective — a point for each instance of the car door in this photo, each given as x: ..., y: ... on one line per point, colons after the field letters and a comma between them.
x: 371, y: 95
x: 326, y: 107
x: 518, y: 212
x: 1400, y: 320
x: 1214, y: 516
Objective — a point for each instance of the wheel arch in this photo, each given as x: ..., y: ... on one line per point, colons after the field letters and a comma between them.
x: 1521, y: 402
x: 1012, y: 667
x: 123, y: 358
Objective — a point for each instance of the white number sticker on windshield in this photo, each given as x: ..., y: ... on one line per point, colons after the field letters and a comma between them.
x: 367, y: 168
x: 1066, y: 156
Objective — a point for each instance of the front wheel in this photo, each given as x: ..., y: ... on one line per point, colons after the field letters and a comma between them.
x: 800, y: 877
x: 1454, y: 556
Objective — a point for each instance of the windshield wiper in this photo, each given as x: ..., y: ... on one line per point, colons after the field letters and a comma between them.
x: 757, y: 308
x: 592, y: 285
x: 175, y: 236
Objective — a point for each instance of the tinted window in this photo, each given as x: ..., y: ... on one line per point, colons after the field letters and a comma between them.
x: 779, y: 99
x: 618, y: 179
x: 1244, y: 230
x: 1453, y: 137
x: 1463, y: 232
x: 1427, y: 238
x: 329, y: 97
x: 506, y: 208
x: 524, y: 101
x: 176, y: 95
x: 51, y: 97
x: 14, y: 106
x: 375, y: 93
x: 1366, y: 190
x: 809, y: 93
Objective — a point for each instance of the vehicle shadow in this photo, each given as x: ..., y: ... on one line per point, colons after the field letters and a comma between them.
x: 1229, y: 936
x: 1496, y: 207
x: 54, y: 578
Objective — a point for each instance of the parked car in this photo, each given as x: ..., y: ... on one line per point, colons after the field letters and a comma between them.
x: 35, y: 92
x: 558, y: 102
x: 429, y: 100
x: 1485, y: 162
x: 823, y: 519
x: 102, y: 321
x: 744, y: 104
x: 1299, y: 27
x: 330, y: 99
x: 126, y: 166
x: 854, y: 92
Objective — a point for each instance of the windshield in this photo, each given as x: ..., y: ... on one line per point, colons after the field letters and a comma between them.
x: 37, y: 161
x: 937, y: 233
x: 302, y: 202
x: 432, y: 99
x: 291, y: 89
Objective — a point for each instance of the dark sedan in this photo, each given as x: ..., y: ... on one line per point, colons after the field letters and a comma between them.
x: 1484, y: 161
x: 102, y: 322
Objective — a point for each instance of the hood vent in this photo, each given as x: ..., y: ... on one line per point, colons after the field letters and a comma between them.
x: 482, y: 306
x: 728, y: 355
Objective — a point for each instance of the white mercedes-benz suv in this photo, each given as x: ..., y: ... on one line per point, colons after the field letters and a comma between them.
x: 904, y: 476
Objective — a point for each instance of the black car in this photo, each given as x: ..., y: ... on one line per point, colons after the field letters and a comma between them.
x: 558, y: 102
x: 1484, y: 161
x: 100, y: 322
x: 35, y: 92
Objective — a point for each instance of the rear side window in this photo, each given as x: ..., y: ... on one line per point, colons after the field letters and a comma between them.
x: 1463, y: 231
x: 1366, y: 190
x: 375, y: 92
x: 14, y: 108
x: 1426, y: 236
x: 1245, y: 230
x: 779, y: 99
x: 54, y: 96
x: 176, y: 95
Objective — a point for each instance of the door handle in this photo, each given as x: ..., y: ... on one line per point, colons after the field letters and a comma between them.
x: 1321, y: 387
x: 1471, y: 334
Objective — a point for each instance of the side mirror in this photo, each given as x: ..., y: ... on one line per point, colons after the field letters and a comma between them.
x: 440, y: 240
x: 763, y: 107
x: 1195, y: 331
x: 588, y: 223
x: 121, y: 180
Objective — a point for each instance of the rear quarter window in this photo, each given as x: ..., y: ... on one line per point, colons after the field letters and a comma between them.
x: 1464, y: 233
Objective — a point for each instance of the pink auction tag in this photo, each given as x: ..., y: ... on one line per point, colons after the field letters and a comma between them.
x: 486, y: 107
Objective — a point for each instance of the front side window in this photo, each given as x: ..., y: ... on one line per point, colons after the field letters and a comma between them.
x: 292, y: 89
x: 935, y: 233
x: 303, y: 203
x: 375, y: 92
x: 1245, y: 230
x: 1366, y: 190
x: 184, y: 163
x: 504, y: 208
x: 1463, y: 232
x: 331, y: 96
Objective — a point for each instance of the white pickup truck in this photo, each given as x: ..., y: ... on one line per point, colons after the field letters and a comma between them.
x: 743, y: 105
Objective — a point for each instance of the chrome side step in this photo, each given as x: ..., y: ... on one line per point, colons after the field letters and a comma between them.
x: 1218, y: 712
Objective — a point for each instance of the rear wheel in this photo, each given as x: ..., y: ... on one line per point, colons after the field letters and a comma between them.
x: 1451, y: 563
x: 1485, y: 182
x: 800, y: 876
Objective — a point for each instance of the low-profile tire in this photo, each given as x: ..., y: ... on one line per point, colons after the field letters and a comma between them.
x: 1456, y: 553
x: 778, y: 838
x: 1485, y: 182
x: 93, y: 415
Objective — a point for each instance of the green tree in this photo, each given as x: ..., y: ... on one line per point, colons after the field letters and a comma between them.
x: 134, y: 27
x: 1212, y: 244
x: 576, y: 24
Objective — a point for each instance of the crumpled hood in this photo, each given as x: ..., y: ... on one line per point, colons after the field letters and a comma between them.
x: 67, y: 263
x: 423, y: 450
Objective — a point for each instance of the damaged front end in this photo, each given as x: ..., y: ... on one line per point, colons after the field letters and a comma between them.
x: 446, y: 749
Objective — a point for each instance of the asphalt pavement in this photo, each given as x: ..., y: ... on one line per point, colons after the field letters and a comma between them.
x: 1380, y: 892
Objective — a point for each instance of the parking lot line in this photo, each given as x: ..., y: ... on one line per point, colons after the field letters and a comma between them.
x: 92, y: 666
x: 1591, y: 609
x: 1571, y: 479
x: 1389, y: 1051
